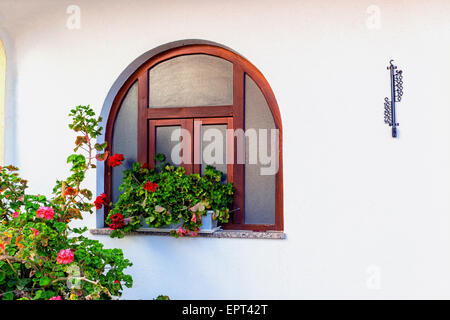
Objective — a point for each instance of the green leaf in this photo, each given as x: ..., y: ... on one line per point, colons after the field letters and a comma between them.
x: 100, y: 147
x: 8, y: 296
x: 160, y: 157
x: 44, y: 281
x: 38, y: 295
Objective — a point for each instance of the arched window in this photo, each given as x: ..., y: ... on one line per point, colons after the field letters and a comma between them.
x: 213, y: 94
x: 2, y: 102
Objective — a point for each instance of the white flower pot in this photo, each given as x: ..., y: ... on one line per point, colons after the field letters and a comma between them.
x: 168, y: 228
x: 209, y: 225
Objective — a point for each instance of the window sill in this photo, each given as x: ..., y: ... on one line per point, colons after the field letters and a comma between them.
x: 231, y: 234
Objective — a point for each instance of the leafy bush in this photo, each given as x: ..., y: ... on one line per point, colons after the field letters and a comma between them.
x: 166, y: 195
x: 41, y: 256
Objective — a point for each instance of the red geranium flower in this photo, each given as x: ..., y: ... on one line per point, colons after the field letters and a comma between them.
x: 100, y: 201
x: 116, y: 160
x: 116, y: 217
x: 150, y: 186
x: 117, y: 221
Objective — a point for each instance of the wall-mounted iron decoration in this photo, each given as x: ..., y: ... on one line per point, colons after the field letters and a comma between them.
x: 390, y: 116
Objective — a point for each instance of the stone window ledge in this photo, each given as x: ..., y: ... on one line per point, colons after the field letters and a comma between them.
x: 232, y: 234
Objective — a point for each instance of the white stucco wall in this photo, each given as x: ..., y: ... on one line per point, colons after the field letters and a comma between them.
x: 358, y: 204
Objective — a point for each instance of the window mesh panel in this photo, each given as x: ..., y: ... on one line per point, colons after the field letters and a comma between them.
x: 166, y: 146
x: 259, y: 189
x: 191, y: 80
x: 125, y: 137
x: 214, y: 148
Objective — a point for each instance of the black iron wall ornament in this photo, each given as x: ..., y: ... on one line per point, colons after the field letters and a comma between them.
x: 390, y: 116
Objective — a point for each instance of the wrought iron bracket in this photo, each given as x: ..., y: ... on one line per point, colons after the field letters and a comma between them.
x: 390, y: 115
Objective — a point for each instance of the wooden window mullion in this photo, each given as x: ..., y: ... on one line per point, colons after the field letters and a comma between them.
x: 187, y: 146
x: 238, y: 123
x: 142, y: 118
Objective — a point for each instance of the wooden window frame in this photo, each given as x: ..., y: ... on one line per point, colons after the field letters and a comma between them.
x: 186, y: 124
x: 162, y: 116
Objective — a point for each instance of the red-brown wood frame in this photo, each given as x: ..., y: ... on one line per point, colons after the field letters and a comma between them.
x: 186, y: 124
x: 241, y: 66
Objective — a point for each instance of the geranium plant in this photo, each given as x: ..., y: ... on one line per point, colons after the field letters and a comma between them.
x: 41, y: 256
x: 166, y: 195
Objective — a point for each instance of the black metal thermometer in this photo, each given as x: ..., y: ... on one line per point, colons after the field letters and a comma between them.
x: 390, y: 116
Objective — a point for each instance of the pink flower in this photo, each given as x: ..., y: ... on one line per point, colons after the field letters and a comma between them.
x: 194, y: 218
x: 55, y: 298
x: 16, y: 214
x: 35, y: 232
x: 181, y: 232
x: 65, y: 257
x: 45, y: 213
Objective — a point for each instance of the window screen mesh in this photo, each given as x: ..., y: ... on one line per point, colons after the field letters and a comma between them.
x: 125, y: 137
x: 259, y: 189
x: 191, y: 80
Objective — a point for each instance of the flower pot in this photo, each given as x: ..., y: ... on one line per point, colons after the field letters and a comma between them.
x: 168, y: 228
x: 208, y: 223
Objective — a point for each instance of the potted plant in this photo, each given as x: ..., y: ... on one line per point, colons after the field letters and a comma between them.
x: 170, y: 200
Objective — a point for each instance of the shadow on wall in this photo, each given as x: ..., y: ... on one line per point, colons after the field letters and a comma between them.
x: 10, y: 116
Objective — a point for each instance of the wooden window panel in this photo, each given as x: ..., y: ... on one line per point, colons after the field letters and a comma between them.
x: 186, y: 124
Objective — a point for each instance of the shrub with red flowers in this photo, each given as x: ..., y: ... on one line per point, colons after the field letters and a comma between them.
x: 41, y: 256
x: 166, y: 195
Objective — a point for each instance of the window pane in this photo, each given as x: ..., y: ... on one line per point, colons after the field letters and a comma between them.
x: 125, y: 137
x: 259, y: 189
x: 214, y: 148
x: 191, y: 80
x: 165, y: 145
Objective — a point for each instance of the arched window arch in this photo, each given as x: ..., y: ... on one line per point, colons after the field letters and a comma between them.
x: 2, y: 101
x: 206, y: 90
